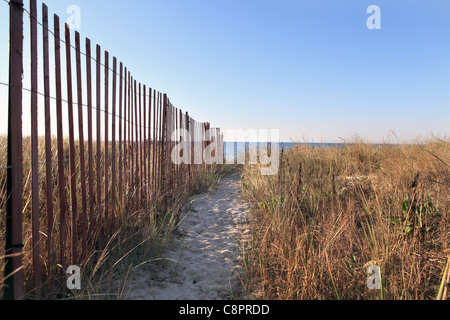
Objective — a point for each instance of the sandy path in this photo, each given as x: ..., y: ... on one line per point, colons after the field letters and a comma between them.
x: 205, y: 261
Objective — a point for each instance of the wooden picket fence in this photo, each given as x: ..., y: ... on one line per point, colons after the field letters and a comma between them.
x: 94, y: 177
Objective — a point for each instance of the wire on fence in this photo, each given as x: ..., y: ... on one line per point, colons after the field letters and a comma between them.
x: 86, y: 106
x: 62, y: 40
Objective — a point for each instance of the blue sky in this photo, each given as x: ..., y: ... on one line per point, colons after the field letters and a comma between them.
x: 309, y: 68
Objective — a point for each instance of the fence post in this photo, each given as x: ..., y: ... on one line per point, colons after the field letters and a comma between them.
x: 132, y: 124
x: 129, y: 140
x: 190, y: 150
x: 73, y: 183
x: 90, y: 142
x: 163, y: 141
x: 155, y: 141
x: 59, y: 119
x: 48, y: 140
x: 34, y: 149
x: 120, y: 139
x: 159, y: 147
x: 136, y: 139
x: 144, y: 140
x: 13, y: 263
x: 99, y: 138
x: 113, y: 141
x: 81, y: 142
x: 139, y: 139
x: 106, y: 147
x: 125, y: 131
x: 149, y: 183
x: 128, y: 131
x: 181, y: 177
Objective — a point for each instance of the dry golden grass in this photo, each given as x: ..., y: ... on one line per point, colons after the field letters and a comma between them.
x: 137, y: 237
x: 330, y: 213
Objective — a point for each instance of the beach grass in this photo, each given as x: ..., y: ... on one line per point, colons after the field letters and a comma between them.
x: 331, y: 213
x: 137, y: 238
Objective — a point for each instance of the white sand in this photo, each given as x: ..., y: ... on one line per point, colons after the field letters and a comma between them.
x: 205, y: 261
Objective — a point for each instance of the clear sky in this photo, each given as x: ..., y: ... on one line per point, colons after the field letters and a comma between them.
x: 310, y: 68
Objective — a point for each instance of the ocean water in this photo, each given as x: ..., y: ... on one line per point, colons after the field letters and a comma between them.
x: 233, y: 149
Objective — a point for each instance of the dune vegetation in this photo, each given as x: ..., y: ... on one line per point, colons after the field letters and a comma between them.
x: 139, y: 230
x: 330, y: 213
